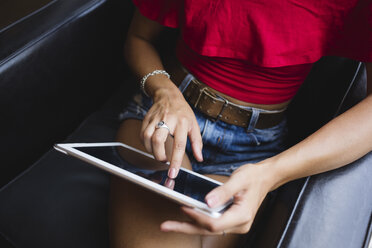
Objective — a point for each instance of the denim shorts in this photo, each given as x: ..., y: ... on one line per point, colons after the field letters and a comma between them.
x: 225, y: 146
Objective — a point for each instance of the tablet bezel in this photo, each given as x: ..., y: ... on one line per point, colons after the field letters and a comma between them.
x: 68, y: 148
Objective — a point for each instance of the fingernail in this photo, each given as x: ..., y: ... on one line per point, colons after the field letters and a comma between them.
x: 172, y: 173
x: 169, y: 183
x: 211, y: 200
x: 165, y: 227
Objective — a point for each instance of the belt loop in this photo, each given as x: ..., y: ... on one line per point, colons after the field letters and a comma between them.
x: 222, y: 109
x: 185, y: 82
x: 253, y: 120
x: 199, y: 96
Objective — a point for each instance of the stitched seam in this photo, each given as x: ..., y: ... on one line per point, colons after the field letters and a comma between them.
x: 51, y: 31
x: 299, y: 198
x: 27, y: 16
x: 7, y: 238
x: 348, y: 89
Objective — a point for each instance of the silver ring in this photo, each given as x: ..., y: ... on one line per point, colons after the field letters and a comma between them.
x: 161, y: 124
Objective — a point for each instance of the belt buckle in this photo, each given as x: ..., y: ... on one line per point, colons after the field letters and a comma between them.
x: 204, y: 90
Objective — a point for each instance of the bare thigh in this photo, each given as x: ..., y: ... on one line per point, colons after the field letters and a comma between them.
x: 136, y: 214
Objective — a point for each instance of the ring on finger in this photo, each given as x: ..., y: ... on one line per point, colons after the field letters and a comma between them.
x: 161, y: 124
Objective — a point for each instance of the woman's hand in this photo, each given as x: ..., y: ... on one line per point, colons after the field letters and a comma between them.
x: 248, y: 185
x: 169, y: 104
x: 171, y: 107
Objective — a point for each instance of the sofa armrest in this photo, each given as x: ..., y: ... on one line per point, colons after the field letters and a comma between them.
x: 57, y: 65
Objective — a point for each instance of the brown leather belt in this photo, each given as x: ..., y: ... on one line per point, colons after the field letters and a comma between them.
x: 218, y: 108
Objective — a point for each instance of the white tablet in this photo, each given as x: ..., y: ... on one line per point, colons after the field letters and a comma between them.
x: 189, y: 188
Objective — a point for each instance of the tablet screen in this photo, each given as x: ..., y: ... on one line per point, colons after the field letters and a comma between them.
x: 185, y: 183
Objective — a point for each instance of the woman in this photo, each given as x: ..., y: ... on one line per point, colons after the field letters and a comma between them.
x: 241, y: 64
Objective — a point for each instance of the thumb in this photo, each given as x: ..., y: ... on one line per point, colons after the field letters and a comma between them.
x: 222, y: 194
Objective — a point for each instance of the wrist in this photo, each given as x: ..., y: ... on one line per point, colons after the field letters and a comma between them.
x: 159, y: 85
x: 165, y: 89
x: 274, y: 174
x: 151, y: 74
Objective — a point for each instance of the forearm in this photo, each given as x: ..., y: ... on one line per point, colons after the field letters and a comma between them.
x: 142, y: 56
x: 340, y: 142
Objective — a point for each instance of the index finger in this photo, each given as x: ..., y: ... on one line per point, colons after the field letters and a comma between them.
x: 178, y: 151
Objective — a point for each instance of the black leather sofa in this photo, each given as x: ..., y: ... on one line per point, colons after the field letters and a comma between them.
x: 62, y: 78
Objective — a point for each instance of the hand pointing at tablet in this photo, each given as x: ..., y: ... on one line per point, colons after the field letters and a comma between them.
x: 170, y: 115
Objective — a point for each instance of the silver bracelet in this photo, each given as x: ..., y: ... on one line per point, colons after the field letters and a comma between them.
x: 143, y: 80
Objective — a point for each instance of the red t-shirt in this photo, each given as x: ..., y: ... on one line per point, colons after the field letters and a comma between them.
x: 261, y: 51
